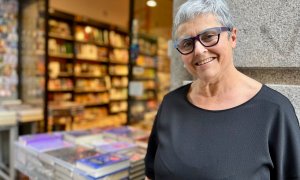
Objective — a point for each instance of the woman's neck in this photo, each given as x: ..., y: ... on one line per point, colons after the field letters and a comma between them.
x: 227, y: 92
x: 217, y: 86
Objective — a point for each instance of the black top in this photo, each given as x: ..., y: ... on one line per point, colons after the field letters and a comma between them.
x: 258, y: 140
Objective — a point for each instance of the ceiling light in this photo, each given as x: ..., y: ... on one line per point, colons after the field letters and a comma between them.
x: 151, y: 3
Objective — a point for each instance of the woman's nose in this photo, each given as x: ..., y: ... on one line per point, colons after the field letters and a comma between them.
x: 199, y: 48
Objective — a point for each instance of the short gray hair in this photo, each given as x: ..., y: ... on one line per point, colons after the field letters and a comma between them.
x: 193, y: 8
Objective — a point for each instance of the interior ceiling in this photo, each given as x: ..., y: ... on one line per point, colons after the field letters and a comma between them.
x: 156, y: 21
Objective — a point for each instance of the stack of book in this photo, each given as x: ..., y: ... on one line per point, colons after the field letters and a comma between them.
x: 64, y: 160
x: 28, y: 152
x: 137, y: 165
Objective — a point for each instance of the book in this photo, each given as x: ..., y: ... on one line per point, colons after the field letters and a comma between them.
x: 48, y: 145
x: 127, y: 133
x: 122, y: 175
x: 33, y: 138
x: 64, y: 159
x: 104, y: 164
x: 142, y: 142
x: 73, y: 136
x: 92, y: 141
x: 116, y: 147
x: 136, y: 156
x: 88, y: 138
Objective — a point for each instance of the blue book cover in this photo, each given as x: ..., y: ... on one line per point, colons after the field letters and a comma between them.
x: 103, y: 164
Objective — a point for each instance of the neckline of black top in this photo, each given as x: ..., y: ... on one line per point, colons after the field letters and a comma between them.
x: 186, y: 90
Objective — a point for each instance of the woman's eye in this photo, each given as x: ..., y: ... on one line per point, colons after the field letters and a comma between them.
x: 186, y: 43
x: 208, y: 36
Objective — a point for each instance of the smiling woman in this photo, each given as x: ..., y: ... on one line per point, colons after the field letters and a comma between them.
x: 223, y: 125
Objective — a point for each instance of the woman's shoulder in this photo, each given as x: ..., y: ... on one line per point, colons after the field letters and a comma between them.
x: 270, y: 95
x: 179, y: 91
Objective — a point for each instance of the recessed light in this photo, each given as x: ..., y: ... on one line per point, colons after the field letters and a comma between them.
x: 151, y: 3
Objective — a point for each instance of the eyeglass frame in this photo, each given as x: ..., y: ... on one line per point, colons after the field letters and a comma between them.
x: 197, y: 37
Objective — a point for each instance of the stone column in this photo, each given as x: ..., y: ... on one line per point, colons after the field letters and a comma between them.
x: 178, y: 72
x: 268, y: 47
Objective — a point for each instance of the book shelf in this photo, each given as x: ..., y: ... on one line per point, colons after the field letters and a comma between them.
x: 163, y: 69
x: 143, y: 81
x: 118, y: 71
x: 87, y: 66
x: 83, y: 72
x: 91, y: 68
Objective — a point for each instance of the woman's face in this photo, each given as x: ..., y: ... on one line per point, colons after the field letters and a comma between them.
x: 207, y: 63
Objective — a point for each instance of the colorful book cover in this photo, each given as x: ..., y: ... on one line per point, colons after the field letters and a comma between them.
x: 103, y: 164
x: 33, y: 138
x: 72, y: 154
x: 64, y: 160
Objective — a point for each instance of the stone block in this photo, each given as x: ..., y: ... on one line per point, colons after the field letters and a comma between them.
x: 268, y: 33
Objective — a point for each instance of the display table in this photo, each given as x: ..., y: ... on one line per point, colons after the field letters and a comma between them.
x: 58, y: 155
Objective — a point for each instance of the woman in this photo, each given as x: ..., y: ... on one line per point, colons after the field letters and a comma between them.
x: 224, y: 125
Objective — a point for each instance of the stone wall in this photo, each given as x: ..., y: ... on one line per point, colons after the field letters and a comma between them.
x: 268, y: 47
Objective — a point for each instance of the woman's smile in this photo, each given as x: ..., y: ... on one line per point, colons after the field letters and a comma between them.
x: 204, y: 61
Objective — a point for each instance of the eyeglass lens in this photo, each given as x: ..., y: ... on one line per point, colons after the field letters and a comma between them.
x: 207, y: 39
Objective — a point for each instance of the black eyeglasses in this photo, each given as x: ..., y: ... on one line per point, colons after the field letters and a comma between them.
x: 208, y: 38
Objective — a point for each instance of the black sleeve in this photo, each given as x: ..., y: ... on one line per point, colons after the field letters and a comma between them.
x: 151, y: 150
x: 284, y: 144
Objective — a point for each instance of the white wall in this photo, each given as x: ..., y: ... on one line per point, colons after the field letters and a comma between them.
x: 115, y: 12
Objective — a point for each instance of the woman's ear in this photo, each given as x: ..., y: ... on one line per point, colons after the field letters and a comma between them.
x: 233, y: 37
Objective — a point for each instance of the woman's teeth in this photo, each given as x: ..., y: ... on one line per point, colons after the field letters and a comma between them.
x: 204, y: 61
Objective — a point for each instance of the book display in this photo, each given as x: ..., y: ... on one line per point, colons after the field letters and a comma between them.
x: 63, y: 159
